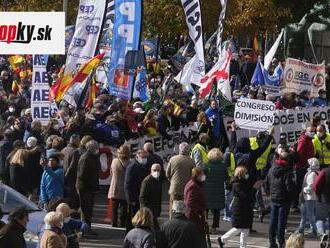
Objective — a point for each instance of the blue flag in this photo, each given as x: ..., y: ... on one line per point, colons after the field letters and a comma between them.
x: 262, y: 78
x: 141, y: 89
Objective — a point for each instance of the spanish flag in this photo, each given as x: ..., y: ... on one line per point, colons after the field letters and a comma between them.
x: 15, y: 60
x: 91, y: 94
x: 62, y: 86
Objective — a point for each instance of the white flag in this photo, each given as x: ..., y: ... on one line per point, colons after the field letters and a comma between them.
x: 191, y: 72
x: 270, y: 55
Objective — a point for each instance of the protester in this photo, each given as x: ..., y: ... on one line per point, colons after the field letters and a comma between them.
x: 295, y: 241
x: 216, y: 175
x: 88, y: 180
x: 5, y: 148
x: 200, y: 150
x: 178, y: 172
x: 71, y: 226
x: 52, y: 181
x: 242, y: 207
x: 53, y: 236
x: 321, y: 144
x: 309, y: 197
x: 322, y: 190
x: 70, y: 167
x: 151, y: 193
x: 142, y: 235
x: 180, y: 232
x: 11, y: 235
x: 136, y: 171
x: 214, y: 115
x: 116, y: 191
x: 153, y: 158
x: 194, y: 199
x: 280, y: 185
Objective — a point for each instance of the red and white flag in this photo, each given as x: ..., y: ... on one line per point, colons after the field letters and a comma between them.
x: 220, y: 74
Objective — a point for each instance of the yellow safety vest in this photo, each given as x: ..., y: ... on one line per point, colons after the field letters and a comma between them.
x: 262, y: 160
x: 202, y: 151
x: 232, y: 165
x: 322, y: 150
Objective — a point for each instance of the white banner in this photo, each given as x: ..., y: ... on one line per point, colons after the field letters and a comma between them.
x: 32, y: 33
x: 271, y: 53
x: 299, y: 76
x: 41, y: 108
x: 86, y: 35
x: 254, y: 114
x: 194, y: 22
x: 221, y: 24
x: 288, y: 123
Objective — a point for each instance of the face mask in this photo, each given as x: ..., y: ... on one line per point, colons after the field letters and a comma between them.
x: 246, y: 176
x: 320, y: 134
x: 142, y: 161
x: 97, y: 151
x: 61, y: 225
x: 67, y: 219
x: 323, y: 96
x: 155, y: 174
x: 202, y: 178
x: 56, y: 127
x: 11, y: 109
x: 310, y: 134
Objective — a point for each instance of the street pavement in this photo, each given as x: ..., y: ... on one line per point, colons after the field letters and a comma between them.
x: 113, y: 237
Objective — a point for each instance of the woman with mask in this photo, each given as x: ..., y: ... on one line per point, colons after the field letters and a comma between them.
x: 242, y: 207
x: 280, y: 186
x: 194, y: 199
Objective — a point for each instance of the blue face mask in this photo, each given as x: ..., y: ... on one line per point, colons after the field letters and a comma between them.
x: 310, y: 134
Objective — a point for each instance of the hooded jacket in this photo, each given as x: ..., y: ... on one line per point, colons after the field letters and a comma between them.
x: 279, y: 182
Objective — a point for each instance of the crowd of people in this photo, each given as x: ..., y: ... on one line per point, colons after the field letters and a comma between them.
x: 57, y: 166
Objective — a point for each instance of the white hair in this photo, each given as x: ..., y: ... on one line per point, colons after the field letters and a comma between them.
x: 184, y: 148
x: 53, y: 218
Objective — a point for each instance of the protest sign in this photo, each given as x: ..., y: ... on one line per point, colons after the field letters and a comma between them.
x: 288, y: 123
x: 41, y: 108
x: 254, y: 114
x: 165, y: 148
x: 300, y: 76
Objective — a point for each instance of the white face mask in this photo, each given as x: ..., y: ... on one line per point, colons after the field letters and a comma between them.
x: 11, y: 109
x: 67, y: 219
x: 56, y: 127
x: 202, y: 178
x: 310, y: 134
x: 246, y: 176
x: 155, y: 174
x: 319, y: 134
x: 142, y: 161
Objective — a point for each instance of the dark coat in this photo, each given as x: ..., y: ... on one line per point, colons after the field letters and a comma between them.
x: 216, y: 175
x: 70, y: 165
x: 5, y: 149
x: 20, y: 178
x: 151, y: 195
x: 134, y: 175
x: 180, y: 232
x: 242, y: 205
x: 32, y: 163
x: 88, y: 172
x: 139, y: 238
x: 163, y: 125
x: 279, y: 182
x: 11, y: 235
x: 195, y: 202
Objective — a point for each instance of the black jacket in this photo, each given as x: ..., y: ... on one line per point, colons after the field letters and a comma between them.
x: 134, y: 175
x: 180, y: 232
x: 88, y: 172
x: 20, y: 178
x: 242, y: 204
x: 279, y: 182
x: 32, y: 163
x: 5, y: 149
x: 151, y: 195
x: 11, y: 235
x: 70, y: 165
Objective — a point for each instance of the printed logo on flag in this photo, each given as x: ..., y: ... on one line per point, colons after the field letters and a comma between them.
x: 32, y: 33
x: 120, y: 78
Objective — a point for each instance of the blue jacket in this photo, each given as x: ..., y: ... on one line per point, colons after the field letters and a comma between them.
x: 52, y: 184
x: 107, y: 134
x: 215, y: 117
x: 318, y: 101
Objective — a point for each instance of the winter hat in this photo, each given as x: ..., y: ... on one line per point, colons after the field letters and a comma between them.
x: 31, y: 142
x: 313, y: 164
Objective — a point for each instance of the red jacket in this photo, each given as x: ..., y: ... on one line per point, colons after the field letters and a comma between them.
x: 305, y: 150
x: 322, y: 185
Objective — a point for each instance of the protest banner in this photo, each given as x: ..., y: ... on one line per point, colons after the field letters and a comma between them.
x: 300, y: 76
x: 86, y: 35
x: 41, y: 108
x: 288, y: 123
x: 254, y: 114
x: 126, y: 37
x: 165, y: 148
